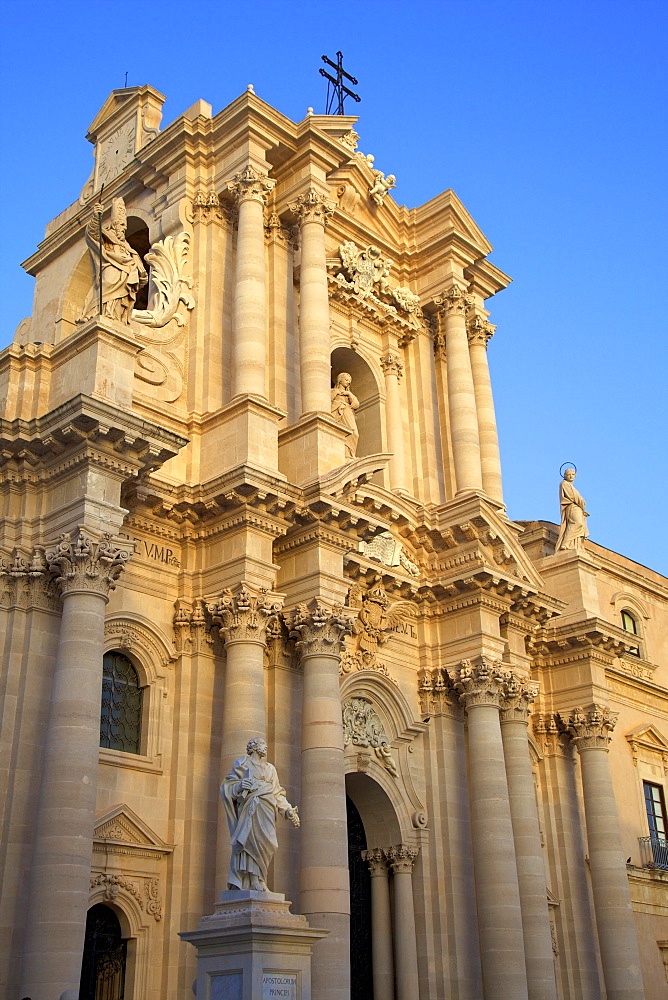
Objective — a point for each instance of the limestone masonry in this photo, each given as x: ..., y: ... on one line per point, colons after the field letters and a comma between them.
x: 252, y: 489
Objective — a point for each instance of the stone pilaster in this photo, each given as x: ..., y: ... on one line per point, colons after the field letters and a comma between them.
x: 393, y: 370
x: 481, y: 685
x: 241, y: 617
x: 516, y: 702
x: 324, y: 883
x: 401, y: 859
x: 464, y: 432
x: 381, y: 924
x: 313, y: 212
x: 85, y: 571
x: 590, y: 731
x: 250, y: 190
x: 479, y: 334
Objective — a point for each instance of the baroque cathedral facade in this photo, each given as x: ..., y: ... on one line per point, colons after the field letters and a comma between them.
x: 251, y: 487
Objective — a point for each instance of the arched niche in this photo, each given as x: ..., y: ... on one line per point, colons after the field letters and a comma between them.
x: 137, y: 235
x: 365, y: 387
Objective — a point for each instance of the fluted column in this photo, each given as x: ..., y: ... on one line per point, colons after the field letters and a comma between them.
x: 590, y: 730
x: 63, y: 847
x: 393, y: 370
x: 381, y: 925
x: 250, y: 190
x: 461, y: 392
x: 313, y: 212
x: 242, y: 619
x: 516, y: 704
x: 479, y: 335
x: 402, y: 858
x: 324, y: 882
x: 481, y: 686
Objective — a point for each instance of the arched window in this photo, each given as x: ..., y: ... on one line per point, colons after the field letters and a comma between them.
x: 120, y: 718
x: 630, y: 624
x: 138, y: 237
x: 104, y: 956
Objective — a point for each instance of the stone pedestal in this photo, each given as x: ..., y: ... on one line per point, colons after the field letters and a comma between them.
x: 252, y: 948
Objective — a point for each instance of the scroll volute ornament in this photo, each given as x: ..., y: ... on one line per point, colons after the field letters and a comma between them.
x: 80, y: 563
x: 481, y: 682
x: 517, y: 698
x: 312, y: 207
x: 249, y: 185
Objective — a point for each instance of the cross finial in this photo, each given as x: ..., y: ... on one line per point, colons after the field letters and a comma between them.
x: 336, y: 89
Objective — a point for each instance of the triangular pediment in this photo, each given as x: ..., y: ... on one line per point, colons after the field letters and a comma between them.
x: 446, y: 214
x: 120, y: 105
x: 121, y: 826
x: 649, y: 738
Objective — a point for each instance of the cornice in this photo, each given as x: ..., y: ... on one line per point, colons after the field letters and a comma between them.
x: 562, y: 643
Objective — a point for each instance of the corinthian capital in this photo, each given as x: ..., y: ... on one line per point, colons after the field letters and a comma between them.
x: 376, y: 860
x: 517, y: 698
x: 402, y: 858
x: 392, y: 364
x: 312, y: 207
x: 242, y: 616
x: 80, y: 563
x: 479, y: 331
x: 319, y: 630
x: 454, y: 300
x: 481, y: 682
x: 590, y: 728
x: 248, y: 185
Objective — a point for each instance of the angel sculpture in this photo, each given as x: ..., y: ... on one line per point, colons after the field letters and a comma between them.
x: 381, y: 185
x: 377, y: 617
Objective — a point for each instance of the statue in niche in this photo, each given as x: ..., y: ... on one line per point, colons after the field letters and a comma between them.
x: 253, y: 799
x: 344, y: 404
x: 123, y: 272
x: 573, y: 529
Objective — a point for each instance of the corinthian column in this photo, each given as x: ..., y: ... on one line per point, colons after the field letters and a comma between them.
x: 479, y: 335
x: 63, y: 846
x: 590, y: 730
x: 314, y: 342
x: 381, y: 925
x: 481, y: 687
x: 461, y: 392
x: 393, y: 370
x: 250, y: 190
x: 516, y: 702
x: 402, y: 859
x: 242, y: 618
x: 324, y: 882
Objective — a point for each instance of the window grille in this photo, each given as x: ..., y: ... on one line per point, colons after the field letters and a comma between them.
x: 120, y: 718
x: 104, y: 956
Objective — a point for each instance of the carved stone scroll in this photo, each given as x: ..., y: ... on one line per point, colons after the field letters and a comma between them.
x: 169, y: 260
x: 83, y: 564
x: 242, y: 616
x: 318, y: 629
x: 363, y: 728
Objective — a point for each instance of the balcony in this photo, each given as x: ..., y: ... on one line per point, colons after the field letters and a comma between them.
x: 654, y: 852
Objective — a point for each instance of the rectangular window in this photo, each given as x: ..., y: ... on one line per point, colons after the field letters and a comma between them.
x: 656, y: 810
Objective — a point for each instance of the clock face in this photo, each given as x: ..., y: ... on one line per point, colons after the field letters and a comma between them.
x: 116, y: 152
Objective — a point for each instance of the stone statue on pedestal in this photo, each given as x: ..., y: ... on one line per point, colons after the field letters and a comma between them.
x: 253, y: 799
x: 344, y: 404
x: 573, y: 529
x: 123, y: 272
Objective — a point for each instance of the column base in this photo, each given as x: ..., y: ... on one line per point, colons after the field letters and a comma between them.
x: 252, y: 947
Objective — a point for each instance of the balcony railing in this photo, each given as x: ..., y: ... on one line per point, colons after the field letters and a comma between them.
x: 654, y: 852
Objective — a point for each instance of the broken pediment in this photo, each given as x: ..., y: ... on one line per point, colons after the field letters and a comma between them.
x: 121, y: 828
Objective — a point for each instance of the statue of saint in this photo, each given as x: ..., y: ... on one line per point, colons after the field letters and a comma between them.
x: 123, y: 272
x: 573, y: 514
x: 344, y: 404
x: 253, y: 799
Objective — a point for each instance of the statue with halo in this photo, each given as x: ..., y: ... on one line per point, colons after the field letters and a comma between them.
x: 573, y: 529
x: 253, y: 799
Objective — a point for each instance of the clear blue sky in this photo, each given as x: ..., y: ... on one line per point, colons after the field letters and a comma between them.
x: 547, y: 119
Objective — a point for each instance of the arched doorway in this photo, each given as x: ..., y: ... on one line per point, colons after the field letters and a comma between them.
x: 104, y: 956
x: 361, y: 974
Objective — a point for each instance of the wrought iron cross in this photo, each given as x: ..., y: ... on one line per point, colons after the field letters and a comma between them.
x: 336, y: 89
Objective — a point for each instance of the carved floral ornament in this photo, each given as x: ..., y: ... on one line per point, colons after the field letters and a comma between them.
x: 392, y: 364
x: 319, y: 629
x: 312, y: 207
x: 145, y: 890
x: 479, y: 682
x: 363, y: 728
x: 80, y: 563
x: 399, y: 858
x: 591, y: 728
